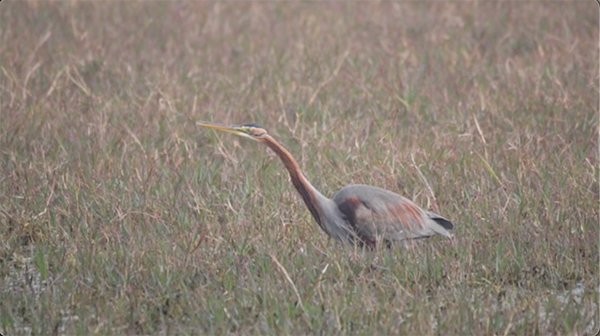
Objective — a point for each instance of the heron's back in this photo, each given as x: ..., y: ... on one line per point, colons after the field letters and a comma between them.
x: 375, y: 213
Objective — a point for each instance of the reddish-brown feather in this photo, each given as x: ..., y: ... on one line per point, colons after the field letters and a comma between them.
x: 349, y: 208
x: 408, y: 214
x: 356, y: 212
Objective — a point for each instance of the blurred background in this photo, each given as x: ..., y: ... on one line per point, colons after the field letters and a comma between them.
x: 119, y: 215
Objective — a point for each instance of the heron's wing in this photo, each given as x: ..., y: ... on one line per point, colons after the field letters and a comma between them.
x: 376, y: 213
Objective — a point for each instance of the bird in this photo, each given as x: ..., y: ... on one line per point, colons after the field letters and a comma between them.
x: 358, y: 214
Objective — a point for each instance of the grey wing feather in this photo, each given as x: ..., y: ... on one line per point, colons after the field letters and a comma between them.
x: 378, y: 213
x: 445, y: 223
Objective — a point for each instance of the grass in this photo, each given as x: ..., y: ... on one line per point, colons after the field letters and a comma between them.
x: 119, y: 216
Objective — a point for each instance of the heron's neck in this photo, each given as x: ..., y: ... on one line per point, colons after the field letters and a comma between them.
x: 312, y: 197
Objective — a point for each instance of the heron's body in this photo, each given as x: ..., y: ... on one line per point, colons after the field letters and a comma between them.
x: 377, y: 214
x: 357, y: 213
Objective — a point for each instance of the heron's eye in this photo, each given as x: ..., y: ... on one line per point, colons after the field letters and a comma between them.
x: 257, y: 132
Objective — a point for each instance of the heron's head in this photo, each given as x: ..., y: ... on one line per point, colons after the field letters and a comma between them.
x: 252, y: 131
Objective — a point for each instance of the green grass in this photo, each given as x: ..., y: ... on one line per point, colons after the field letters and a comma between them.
x: 119, y: 216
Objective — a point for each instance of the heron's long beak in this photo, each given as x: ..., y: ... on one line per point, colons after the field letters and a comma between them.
x: 223, y: 128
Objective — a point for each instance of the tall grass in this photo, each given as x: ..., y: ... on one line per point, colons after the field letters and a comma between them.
x: 118, y: 215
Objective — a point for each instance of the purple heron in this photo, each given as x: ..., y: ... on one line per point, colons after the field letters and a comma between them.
x: 358, y: 214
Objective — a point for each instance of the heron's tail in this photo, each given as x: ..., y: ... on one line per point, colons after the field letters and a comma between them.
x: 445, y: 225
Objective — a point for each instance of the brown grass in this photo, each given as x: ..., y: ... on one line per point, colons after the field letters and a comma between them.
x: 118, y: 215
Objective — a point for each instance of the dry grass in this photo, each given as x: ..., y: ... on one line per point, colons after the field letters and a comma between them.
x: 118, y: 215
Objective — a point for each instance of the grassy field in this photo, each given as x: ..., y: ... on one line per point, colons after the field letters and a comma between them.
x: 118, y: 215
